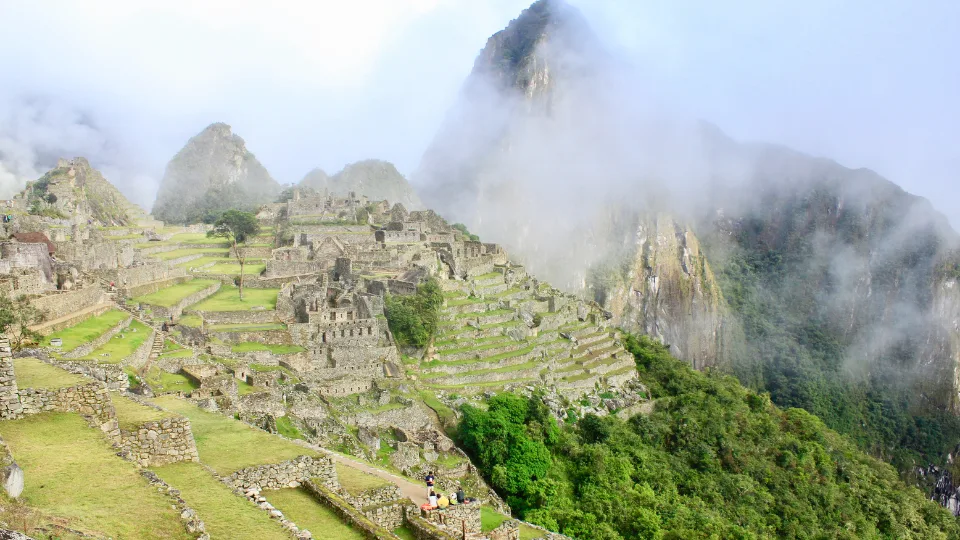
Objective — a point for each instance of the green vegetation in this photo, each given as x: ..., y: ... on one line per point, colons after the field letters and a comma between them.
x: 308, y: 513
x: 190, y: 321
x: 73, y: 474
x: 32, y: 373
x: 356, y: 481
x: 16, y: 318
x: 228, y: 299
x: 176, y: 254
x: 713, y: 460
x: 122, y: 345
x: 236, y: 227
x: 250, y: 346
x: 467, y: 235
x: 228, y: 445
x: 229, y: 269
x: 132, y: 415
x: 413, y: 319
x: 797, y: 355
x: 88, y: 330
x: 404, y: 533
x: 162, y: 382
x: 172, y: 295
x: 286, y: 427
x: 246, y: 327
x: 224, y: 514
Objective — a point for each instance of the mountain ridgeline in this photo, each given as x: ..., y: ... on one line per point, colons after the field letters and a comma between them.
x: 378, y: 180
x: 830, y: 288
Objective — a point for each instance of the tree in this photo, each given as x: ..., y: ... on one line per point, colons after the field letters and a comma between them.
x: 16, y: 317
x: 236, y: 227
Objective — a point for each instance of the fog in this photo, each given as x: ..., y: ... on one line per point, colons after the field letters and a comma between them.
x: 327, y: 83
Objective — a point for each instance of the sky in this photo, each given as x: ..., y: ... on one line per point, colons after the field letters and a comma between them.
x: 325, y: 83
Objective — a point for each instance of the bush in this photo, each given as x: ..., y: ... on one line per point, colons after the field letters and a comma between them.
x: 413, y: 319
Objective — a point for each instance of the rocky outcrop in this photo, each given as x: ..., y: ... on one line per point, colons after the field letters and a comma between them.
x: 212, y: 173
x: 377, y: 180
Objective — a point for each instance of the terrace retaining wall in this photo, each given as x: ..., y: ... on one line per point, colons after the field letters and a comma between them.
x: 87, y: 348
x: 238, y: 317
x: 348, y: 513
x: 160, y: 442
x: 61, y: 304
x: 177, y: 309
x: 282, y: 475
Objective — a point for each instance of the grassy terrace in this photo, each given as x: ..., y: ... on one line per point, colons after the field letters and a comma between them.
x: 161, y: 381
x: 229, y: 445
x: 225, y: 515
x: 490, y: 519
x: 462, y: 343
x: 275, y: 349
x: 245, y: 327
x: 196, y: 263
x: 88, y: 330
x: 485, y: 314
x: 177, y: 253
x: 132, y: 415
x: 356, y: 481
x: 171, y: 295
x: 233, y: 269
x: 491, y: 384
x: 308, y: 513
x: 186, y: 239
x: 479, y: 346
x: 485, y: 371
x: 122, y: 345
x: 74, y: 475
x: 228, y: 299
x: 32, y: 373
x: 495, y: 358
x: 488, y: 275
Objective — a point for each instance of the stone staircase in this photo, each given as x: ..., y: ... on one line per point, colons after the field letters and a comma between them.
x: 485, y: 341
x: 157, y: 349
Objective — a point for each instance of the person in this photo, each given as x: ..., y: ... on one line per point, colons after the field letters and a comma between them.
x: 430, y: 481
x: 432, y: 499
x: 443, y: 501
x: 164, y: 327
x: 461, y: 496
x: 453, y: 498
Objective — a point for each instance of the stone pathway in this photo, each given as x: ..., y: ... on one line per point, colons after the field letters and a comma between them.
x: 416, y: 492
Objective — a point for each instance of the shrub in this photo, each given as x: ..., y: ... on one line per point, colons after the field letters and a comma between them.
x: 413, y: 319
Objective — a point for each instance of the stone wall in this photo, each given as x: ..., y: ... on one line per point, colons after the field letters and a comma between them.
x: 107, y: 255
x: 508, y: 530
x: 277, y: 269
x: 169, y: 440
x: 89, y: 347
x: 374, y: 497
x: 112, y: 375
x: 128, y: 278
x: 459, y: 518
x: 270, y: 337
x: 425, y: 530
x: 389, y: 515
x: 132, y: 291
x: 177, y: 309
x: 290, y: 473
x: 91, y: 400
x: 17, y: 282
x: 238, y: 317
x: 9, y: 396
x: 61, y: 304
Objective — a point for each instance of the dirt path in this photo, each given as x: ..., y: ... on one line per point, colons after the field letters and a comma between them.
x: 416, y: 492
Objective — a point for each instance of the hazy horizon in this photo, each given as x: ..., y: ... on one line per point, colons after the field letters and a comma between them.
x: 326, y: 84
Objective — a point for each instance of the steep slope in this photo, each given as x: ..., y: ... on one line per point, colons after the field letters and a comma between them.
x: 212, y: 173
x: 522, y: 160
x: 74, y: 189
x: 378, y: 180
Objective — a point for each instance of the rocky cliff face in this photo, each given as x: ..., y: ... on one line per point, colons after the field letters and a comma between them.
x: 212, y: 173
x: 378, y: 180
x: 522, y: 161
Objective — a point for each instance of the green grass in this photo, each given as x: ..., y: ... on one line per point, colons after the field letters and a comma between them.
x: 491, y: 384
x: 486, y: 371
x: 464, y: 302
x: 182, y: 353
x: 468, y: 361
x: 191, y: 321
x: 404, y: 533
x: 356, y: 481
x: 32, y: 373
x: 488, y: 275
x: 171, y: 295
x: 132, y: 415
x: 308, y: 513
x: 195, y: 263
x: 225, y: 515
x: 171, y: 345
x: 233, y: 269
x: 88, y: 330
x: 121, y: 345
x: 490, y: 519
x: 229, y: 445
x: 475, y: 347
x: 245, y: 327
x: 244, y: 388
x: 446, y: 414
x: 485, y: 314
x: 72, y: 473
x: 228, y: 299
x: 176, y: 254
x: 250, y: 346
x: 286, y: 427
x: 161, y: 381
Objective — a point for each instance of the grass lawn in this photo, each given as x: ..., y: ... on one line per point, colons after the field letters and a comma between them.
x: 171, y: 295
x: 308, y: 513
x: 245, y: 327
x: 225, y: 515
x: 132, y: 415
x: 32, y: 373
x: 356, y: 481
x: 161, y: 381
x: 190, y: 321
x: 73, y: 473
x: 233, y: 269
x: 446, y: 414
x: 177, y: 253
x: 490, y: 519
x: 404, y: 533
x: 228, y: 299
x: 87, y: 331
x: 229, y: 445
x: 286, y: 427
x: 196, y: 263
x: 121, y: 345
x: 251, y: 346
